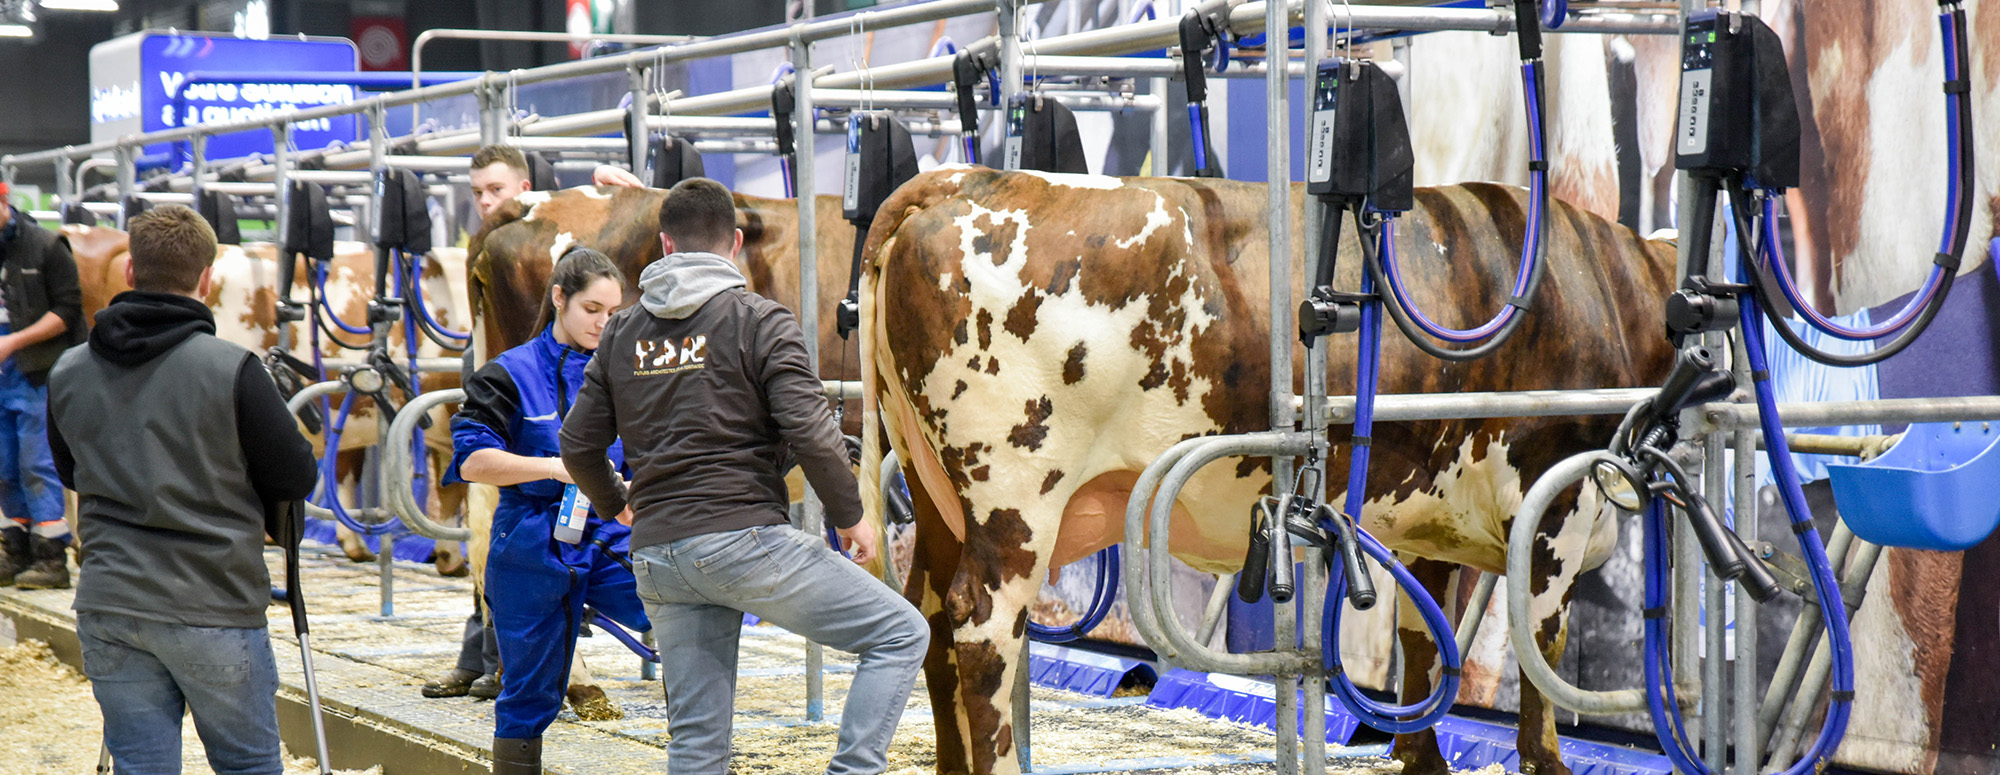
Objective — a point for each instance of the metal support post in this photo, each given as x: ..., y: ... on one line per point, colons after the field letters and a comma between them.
x: 378, y: 151
x: 1277, y: 176
x: 1315, y: 581
x: 1400, y: 49
x: 126, y: 178
x: 492, y: 127
x: 814, y: 519
x: 1714, y: 700
x: 198, y: 168
x: 1160, y: 166
x: 1686, y: 556
x: 648, y: 669
x: 65, y: 188
x: 1010, y: 48
x: 1023, y: 739
x: 639, y: 135
x: 1743, y: 683
x: 281, y: 170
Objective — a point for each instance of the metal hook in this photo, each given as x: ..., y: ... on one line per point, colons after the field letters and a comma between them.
x: 857, y: 28
x: 1344, y: 40
x: 1035, y: 68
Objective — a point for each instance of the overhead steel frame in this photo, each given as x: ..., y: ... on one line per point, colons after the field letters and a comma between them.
x: 1282, y: 442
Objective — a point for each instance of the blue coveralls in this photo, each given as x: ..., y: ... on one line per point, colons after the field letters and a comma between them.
x: 537, y: 586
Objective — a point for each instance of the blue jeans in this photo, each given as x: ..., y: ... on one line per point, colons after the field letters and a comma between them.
x: 145, y: 673
x: 30, y: 492
x: 697, y: 590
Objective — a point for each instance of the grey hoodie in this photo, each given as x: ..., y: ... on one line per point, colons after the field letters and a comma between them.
x: 677, y: 285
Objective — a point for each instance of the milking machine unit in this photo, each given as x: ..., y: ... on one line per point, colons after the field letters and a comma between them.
x: 1360, y: 165
x: 1042, y: 135
x: 880, y: 158
x: 783, y: 103
x: 219, y: 209
x: 1738, y: 134
x: 669, y: 159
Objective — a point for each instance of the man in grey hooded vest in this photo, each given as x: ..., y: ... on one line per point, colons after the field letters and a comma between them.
x: 179, y: 449
x: 711, y: 389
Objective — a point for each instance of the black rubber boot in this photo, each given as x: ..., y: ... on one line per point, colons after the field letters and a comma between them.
x: 451, y: 684
x: 517, y: 757
x: 14, y: 558
x: 50, y: 569
x: 487, y: 687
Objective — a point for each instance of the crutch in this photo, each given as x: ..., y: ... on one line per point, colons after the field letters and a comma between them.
x: 292, y: 526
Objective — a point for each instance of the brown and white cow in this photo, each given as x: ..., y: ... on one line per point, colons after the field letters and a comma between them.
x: 1031, y: 342
x: 512, y: 257
x: 244, y: 297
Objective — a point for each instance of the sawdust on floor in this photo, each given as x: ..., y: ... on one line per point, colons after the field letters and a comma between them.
x: 54, y: 727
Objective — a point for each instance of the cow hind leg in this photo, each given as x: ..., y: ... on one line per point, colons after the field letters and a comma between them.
x: 351, y: 544
x: 933, y: 565
x: 450, y: 558
x: 586, y: 697
x: 1539, y: 754
x: 347, y: 471
x: 999, y: 575
x: 1418, y: 751
x: 1552, y: 580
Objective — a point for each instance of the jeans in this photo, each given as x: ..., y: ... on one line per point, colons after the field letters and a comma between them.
x: 30, y: 492
x: 696, y: 591
x: 145, y: 673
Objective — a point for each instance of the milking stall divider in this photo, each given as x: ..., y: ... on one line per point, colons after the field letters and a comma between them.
x: 712, y: 123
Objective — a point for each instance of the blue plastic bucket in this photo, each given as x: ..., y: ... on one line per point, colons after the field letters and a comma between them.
x: 1935, y: 489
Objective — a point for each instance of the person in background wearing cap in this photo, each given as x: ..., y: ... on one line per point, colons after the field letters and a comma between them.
x: 41, y: 315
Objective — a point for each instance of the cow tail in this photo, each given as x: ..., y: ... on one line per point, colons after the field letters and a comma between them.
x: 912, y: 197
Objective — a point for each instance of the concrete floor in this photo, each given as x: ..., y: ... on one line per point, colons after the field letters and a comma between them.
x: 370, y: 667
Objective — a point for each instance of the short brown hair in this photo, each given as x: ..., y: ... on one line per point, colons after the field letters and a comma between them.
x: 501, y: 154
x: 699, y: 215
x: 171, y: 246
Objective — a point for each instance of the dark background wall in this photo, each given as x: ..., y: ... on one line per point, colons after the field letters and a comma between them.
x: 47, y: 101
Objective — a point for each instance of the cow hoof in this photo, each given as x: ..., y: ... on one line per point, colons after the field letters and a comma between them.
x: 355, y: 548
x: 591, y: 704
x: 1428, y: 762
x: 454, y: 567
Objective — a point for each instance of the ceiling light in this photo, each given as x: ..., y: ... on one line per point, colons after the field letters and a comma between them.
x: 16, y: 31
x: 106, y: 6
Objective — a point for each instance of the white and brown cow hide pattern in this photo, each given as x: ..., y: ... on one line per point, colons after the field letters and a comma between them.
x: 1028, y: 455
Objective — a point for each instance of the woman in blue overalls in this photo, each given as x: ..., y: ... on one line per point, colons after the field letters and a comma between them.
x: 505, y: 434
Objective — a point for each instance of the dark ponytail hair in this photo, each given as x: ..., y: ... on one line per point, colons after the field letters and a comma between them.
x: 576, y: 270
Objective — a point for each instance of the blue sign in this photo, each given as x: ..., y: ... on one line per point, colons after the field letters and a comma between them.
x: 163, y: 68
